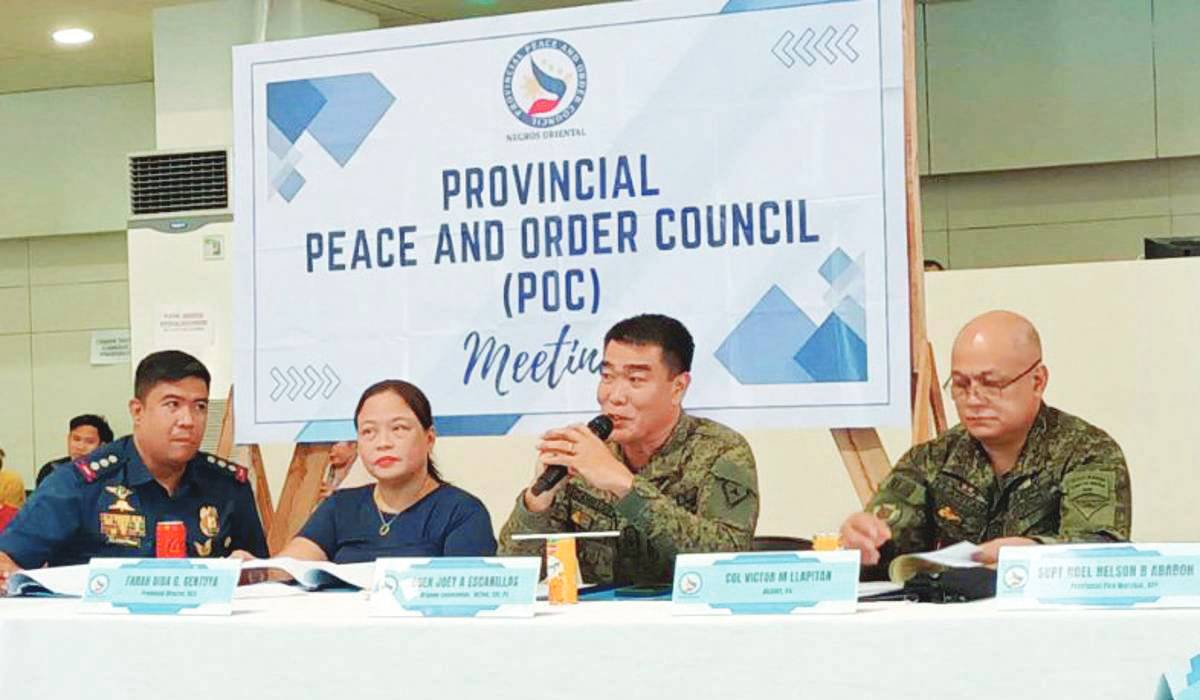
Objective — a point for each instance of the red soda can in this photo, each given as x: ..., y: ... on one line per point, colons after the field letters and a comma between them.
x: 170, y: 540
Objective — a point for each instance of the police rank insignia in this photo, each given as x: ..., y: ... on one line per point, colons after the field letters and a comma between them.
x: 121, y: 523
x: 210, y: 523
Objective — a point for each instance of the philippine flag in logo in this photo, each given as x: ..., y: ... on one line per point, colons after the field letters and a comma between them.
x: 544, y: 83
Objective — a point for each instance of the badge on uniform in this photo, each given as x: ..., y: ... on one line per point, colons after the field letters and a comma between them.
x: 210, y: 524
x: 887, y: 513
x: 121, y: 523
x: 947, y: 513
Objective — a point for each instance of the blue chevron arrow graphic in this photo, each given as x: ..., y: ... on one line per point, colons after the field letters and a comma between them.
x: 314, y: 382
x: 783, y: 56
x: 803, y: 48
x: 297, y: 381
x: 310, y: 381
x: 332, y: 381
x: 280, y: 384
x: 842, y: 44
x: 822, y: 45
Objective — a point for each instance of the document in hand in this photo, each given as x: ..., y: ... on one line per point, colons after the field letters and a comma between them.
x: 315, y: 575
x: 956, y: 556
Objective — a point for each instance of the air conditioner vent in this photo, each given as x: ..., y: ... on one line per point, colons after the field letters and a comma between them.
x: 162, y: 183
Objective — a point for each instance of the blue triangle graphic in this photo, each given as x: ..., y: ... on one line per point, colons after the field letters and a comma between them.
x: 759, y: 350
x: 834, y: 353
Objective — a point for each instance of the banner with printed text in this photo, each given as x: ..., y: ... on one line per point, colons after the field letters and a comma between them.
x: 471, y: 205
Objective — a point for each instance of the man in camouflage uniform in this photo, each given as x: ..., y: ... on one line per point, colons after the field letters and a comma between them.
x: 1014, y: 472
x: 667, y: 481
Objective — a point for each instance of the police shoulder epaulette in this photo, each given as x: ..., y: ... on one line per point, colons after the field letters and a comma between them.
x: 233, y: 469
x: 92, y: 466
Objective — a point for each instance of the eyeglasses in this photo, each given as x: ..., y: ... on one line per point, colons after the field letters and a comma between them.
x: 986, y: 389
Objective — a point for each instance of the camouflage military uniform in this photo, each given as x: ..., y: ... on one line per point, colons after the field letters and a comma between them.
x: 698, y: 493
x: 1070, y: 484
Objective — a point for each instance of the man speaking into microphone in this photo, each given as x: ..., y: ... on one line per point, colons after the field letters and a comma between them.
x: 668, y: 482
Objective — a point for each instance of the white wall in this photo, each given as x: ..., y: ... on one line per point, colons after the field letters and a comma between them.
x: 54, y: 291
x: 62, y: 157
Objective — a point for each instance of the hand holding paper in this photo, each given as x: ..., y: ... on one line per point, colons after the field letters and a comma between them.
x: 866, y: 533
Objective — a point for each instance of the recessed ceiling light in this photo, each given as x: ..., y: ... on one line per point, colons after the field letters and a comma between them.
x: 75, y: 35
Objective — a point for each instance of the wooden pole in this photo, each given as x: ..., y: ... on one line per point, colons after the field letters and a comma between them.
x: 862, y: 453
x: 922, y: 357
x: 301, y: 490
x: 262, y: 489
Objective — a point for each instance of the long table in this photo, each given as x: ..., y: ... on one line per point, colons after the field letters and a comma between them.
x: 324, y: 645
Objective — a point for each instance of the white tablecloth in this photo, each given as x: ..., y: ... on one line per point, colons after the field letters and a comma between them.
x: 324, y: 646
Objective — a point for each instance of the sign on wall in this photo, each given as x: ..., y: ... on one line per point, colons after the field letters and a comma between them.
x: 471, y: 205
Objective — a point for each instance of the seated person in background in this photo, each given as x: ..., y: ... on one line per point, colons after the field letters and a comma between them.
x: 109, y: 504
x: 12, y: 487
x: 85, y: 433
x: 668, y: 482
x: 341, y: 459
x: 410, y: 511
x: 1014, y: 471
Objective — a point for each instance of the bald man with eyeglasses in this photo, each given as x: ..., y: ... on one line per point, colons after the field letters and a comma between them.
x: 1014, y: 471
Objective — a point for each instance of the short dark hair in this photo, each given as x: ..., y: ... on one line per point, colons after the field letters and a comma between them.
x: 416, y: 400
x: 167, y: 366
x: 655, y: 329
x: 97, y: 422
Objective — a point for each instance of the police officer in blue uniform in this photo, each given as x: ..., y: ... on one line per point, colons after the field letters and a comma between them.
x: 108, y: 503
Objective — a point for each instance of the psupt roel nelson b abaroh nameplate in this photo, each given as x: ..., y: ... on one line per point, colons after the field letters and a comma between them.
x: 1099, y: 576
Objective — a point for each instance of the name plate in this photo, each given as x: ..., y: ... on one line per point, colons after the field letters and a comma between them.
x: 455, y: 587
x: 779, y: 583
x: 1099, y: 576
x: 161, y: 586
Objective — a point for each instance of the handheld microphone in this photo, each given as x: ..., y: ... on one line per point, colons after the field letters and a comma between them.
x: 602, y: 426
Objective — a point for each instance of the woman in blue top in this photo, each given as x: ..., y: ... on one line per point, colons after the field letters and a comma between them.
x: 411, y: 511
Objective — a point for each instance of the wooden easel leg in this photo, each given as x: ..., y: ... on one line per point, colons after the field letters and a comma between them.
x: 262, y: 489
x: 863, y: 454
x: 301, y: 489
x: 935, y: 394
x: 865, y: 458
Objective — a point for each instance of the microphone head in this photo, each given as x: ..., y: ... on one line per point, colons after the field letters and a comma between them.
x: 601, y: 425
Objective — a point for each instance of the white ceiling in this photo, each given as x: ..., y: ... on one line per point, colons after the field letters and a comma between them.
x: 123, y: 49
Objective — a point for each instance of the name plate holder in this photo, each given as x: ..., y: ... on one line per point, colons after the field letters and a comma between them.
x: 1099, y: 576
x: 161, y: 586
x: 770, y: 583
x: 454, y: 587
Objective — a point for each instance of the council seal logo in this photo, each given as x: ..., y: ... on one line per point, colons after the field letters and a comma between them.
x: 544, y: 83
x: 1016, y: 577
x: 690, y: 583
x: 98, y: 584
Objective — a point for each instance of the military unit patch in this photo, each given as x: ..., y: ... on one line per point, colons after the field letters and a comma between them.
x: 734, y: 492
x: 886, y: 512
